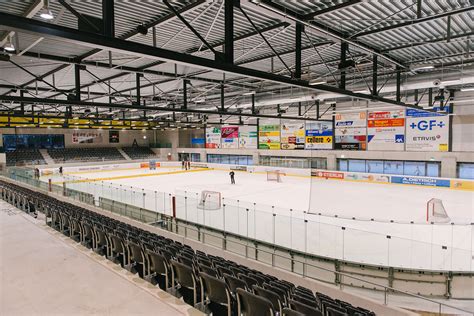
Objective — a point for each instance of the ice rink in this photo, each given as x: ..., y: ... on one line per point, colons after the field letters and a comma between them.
x: 345, y: 199
x: 382, y: 224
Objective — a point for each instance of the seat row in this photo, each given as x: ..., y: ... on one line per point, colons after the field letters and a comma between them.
x: 85, y: 154
x: 24, y: 157
x: 210, y: 283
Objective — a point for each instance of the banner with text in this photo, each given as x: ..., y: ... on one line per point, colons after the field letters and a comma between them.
x: 426, y: 131
x: 351, y: 131
x: 292, y: 135
x: 269, y: 136
x: 86, y: 137
x: 230, y: 137
x: 248, y: 137
x: 318, y: 135
x: 386, y: 130
x: 213, y: 137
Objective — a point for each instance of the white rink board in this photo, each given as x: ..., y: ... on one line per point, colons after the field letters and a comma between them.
x: 417, y: 246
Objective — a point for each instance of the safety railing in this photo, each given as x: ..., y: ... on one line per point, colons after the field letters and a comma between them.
x: 250, y: 249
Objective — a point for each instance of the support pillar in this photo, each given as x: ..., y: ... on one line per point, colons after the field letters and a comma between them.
x: 342, y: 81
x: 298, y: 30
x: 108, y: 17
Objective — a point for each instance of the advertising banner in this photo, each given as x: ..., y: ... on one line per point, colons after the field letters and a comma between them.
x: 292, y: 135
x: 367, y: 177
x: 230, y: 137
x: 351, y: 131
x: 86, y: 137
x: 433, y: 182
x: 327, y: 174
x: 248, y: 137
x: 269, y: 136
x: 213, y: 137
x: 426, y: 131
x: 318, y: 135
x: 386, y: 130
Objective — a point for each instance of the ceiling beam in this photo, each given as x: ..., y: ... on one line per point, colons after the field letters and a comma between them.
x: 414, y: 21
x: 282, y: 12
x: 336, y: 7
x: 127, y: 35
x: 77, y: 37
x: 429, y: 41
x: 122, y: 106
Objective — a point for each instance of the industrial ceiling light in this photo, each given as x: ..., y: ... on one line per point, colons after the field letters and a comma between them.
x: 317, y: 81
x: 249, y: 93
x: 46, y: 12
x: 421, y: 67
x: 9, y: 47
x: 465, y: 89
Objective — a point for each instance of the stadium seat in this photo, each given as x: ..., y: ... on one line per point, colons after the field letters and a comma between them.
x: 216, y: 294
x: 187, y: 282
x: 305, y: 309
x: 249, y: 304
x: 158, y: 270
x: 273, y: 297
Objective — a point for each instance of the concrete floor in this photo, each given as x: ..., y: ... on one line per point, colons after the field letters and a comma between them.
x: 45, y: 273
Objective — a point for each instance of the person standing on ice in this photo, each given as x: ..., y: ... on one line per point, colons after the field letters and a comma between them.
x: 232, y: 179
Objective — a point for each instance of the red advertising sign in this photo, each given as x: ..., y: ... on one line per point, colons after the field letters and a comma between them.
x: 328, y: 174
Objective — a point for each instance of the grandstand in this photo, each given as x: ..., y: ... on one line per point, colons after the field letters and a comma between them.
x: 136, y: 153
x: 84, y: 154
x: 237, y: 157
x: 24, y: 157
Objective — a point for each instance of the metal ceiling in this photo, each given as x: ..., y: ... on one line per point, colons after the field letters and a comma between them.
x: 438, y: 32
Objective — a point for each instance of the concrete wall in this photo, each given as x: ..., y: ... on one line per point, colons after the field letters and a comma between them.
x: 463, y: 133
x: 126, y: 136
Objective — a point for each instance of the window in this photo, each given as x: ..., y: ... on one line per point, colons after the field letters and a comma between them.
x: 293, y: 162
x: 343, y: 165
x: 230, y: 159
x: 393, y: 167
x: 433, y: 169
x: 409, y: 168
x: 319, y: 163
x: 414, y: 168
x: 356, y: 165
x: 374, y: 166
x: 466, y: 170
x: 32, y: 141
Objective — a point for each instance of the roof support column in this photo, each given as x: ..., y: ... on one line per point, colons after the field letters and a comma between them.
x: 298, y: 30
x: 399, y: 82
x: 253, y: 103
x: 22, y: 104
x: 108, y: 17
x: 222, y: 98
x: 344, y: 47
x: 77, y: 82
x: 374, y: 75
x: 185, y: 94
x: 137, y: 79
x: 229, y: 31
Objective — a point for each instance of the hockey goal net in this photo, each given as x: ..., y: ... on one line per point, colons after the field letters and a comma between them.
x: 210, y: 200
x: 435, y: 212
x: 275, y: 175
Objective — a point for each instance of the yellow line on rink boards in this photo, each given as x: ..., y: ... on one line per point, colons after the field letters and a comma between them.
x: 133, y: 176
x: 113, y: 170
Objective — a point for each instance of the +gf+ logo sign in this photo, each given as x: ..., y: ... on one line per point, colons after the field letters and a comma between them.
x: 427, y: 125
